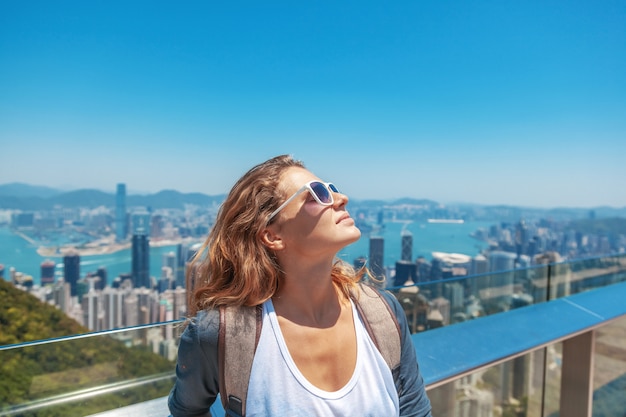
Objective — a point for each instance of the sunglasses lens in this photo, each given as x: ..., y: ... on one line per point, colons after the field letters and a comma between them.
x: 333, y: 188
x: 322, y: 192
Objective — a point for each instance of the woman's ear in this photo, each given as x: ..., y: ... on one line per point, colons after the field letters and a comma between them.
x: 271, y: 239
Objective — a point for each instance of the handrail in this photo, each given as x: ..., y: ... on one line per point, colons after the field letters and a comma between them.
x: 89, y: 334
x: 84, y: 394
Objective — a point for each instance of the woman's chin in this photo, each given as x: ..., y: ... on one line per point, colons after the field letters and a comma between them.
x: 355, y: 236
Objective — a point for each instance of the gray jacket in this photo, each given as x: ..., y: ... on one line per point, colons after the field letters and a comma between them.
x: 197, y: 376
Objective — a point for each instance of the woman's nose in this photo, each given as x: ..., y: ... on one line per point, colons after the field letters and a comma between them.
x: 340, y: 199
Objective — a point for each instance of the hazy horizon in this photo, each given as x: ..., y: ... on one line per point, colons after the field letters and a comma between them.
x: 445, y: 203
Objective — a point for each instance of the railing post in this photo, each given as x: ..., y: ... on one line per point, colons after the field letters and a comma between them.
x: 549, y: 286
x: 577, y: 376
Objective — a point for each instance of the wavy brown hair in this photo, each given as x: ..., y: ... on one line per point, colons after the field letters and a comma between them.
x: 233, y: 267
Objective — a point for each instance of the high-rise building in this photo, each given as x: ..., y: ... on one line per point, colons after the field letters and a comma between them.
x: 102, y: 282
x: 454, y: 293
x: 479, y: 265
x: 192, y: 251
x: 423, y: 270
x: 156, y: 226
x: 502, y: 268
x: 181, y: 260
x: 147, y: 305
x: 501, y: 261
x: 521, y: 238
x: 61, y: 295
x: 141, y: 261
x: 180, y: 303
x: 141, y: 250
x: 140, y: 221
x: 90, y: 304
x: 131, y: 310
x: 112, y: 305
x: 405, y: 271
x: 166, y: 281
x: 407, y: 246
x: 71, y: 273
x: 47, y: 272
x: 169, y: 260
x: 121, y: 228
x: 377, y: 256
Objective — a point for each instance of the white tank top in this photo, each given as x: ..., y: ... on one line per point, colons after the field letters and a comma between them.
x: 277, y: 388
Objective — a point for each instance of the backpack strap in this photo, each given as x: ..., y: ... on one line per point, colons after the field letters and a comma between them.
x: 240, y: 329
x: 380, y: 322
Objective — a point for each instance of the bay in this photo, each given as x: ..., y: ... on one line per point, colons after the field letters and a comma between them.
x: 427, y: 238
x: 22, y: 255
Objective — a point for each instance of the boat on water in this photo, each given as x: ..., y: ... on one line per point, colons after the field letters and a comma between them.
x: 453, y: 221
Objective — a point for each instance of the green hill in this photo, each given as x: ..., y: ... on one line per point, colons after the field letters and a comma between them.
x: 38, y: 373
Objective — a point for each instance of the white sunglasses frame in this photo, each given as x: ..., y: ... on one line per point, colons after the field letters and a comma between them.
x: 307, y: 187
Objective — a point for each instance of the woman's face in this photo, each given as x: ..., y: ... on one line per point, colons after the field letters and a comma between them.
x: 309, y: 228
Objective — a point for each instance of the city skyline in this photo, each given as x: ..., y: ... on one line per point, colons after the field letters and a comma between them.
x: 510, y: 103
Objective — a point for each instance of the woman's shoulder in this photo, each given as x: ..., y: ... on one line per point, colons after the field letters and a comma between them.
x: 386, y: 295
x: 390, y: 299
x: 204, y: 326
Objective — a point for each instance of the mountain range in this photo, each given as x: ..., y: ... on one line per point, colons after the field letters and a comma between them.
x: 26, y: 197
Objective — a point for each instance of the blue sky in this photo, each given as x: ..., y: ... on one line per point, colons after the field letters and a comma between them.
x: 492, y: 102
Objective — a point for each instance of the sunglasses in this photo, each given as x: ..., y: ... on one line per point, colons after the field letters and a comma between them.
x: 321, y: 192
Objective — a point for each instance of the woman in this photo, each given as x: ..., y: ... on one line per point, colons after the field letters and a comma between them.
x: 274, y: 244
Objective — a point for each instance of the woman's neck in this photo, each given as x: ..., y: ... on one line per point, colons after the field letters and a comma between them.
x: 309, y: 296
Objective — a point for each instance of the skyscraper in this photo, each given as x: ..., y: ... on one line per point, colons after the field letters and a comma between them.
x: 61, y: 295
x: 169, y: 260
x: 502, y: 266
x: 120, y: 213
x: 71, y: 274
x: 407, y: 246
x: 376, y: 258
x: 112, y: 304
x: 180, y: 303
x: 189, y: 274
x: 47, y: 272
x: 102, y: 282
x: 521, y: 238
x: 90, y: 304
x: 405, y: 271
x: 141, y: 250
x: 141, y: 261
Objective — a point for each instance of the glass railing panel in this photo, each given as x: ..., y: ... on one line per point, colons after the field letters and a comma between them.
x: 444, y: 302
x: 609, y: 381
x: 586, y: 274
x: 88, y: 374
x: 449, y: 301
x: 526, y: 386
